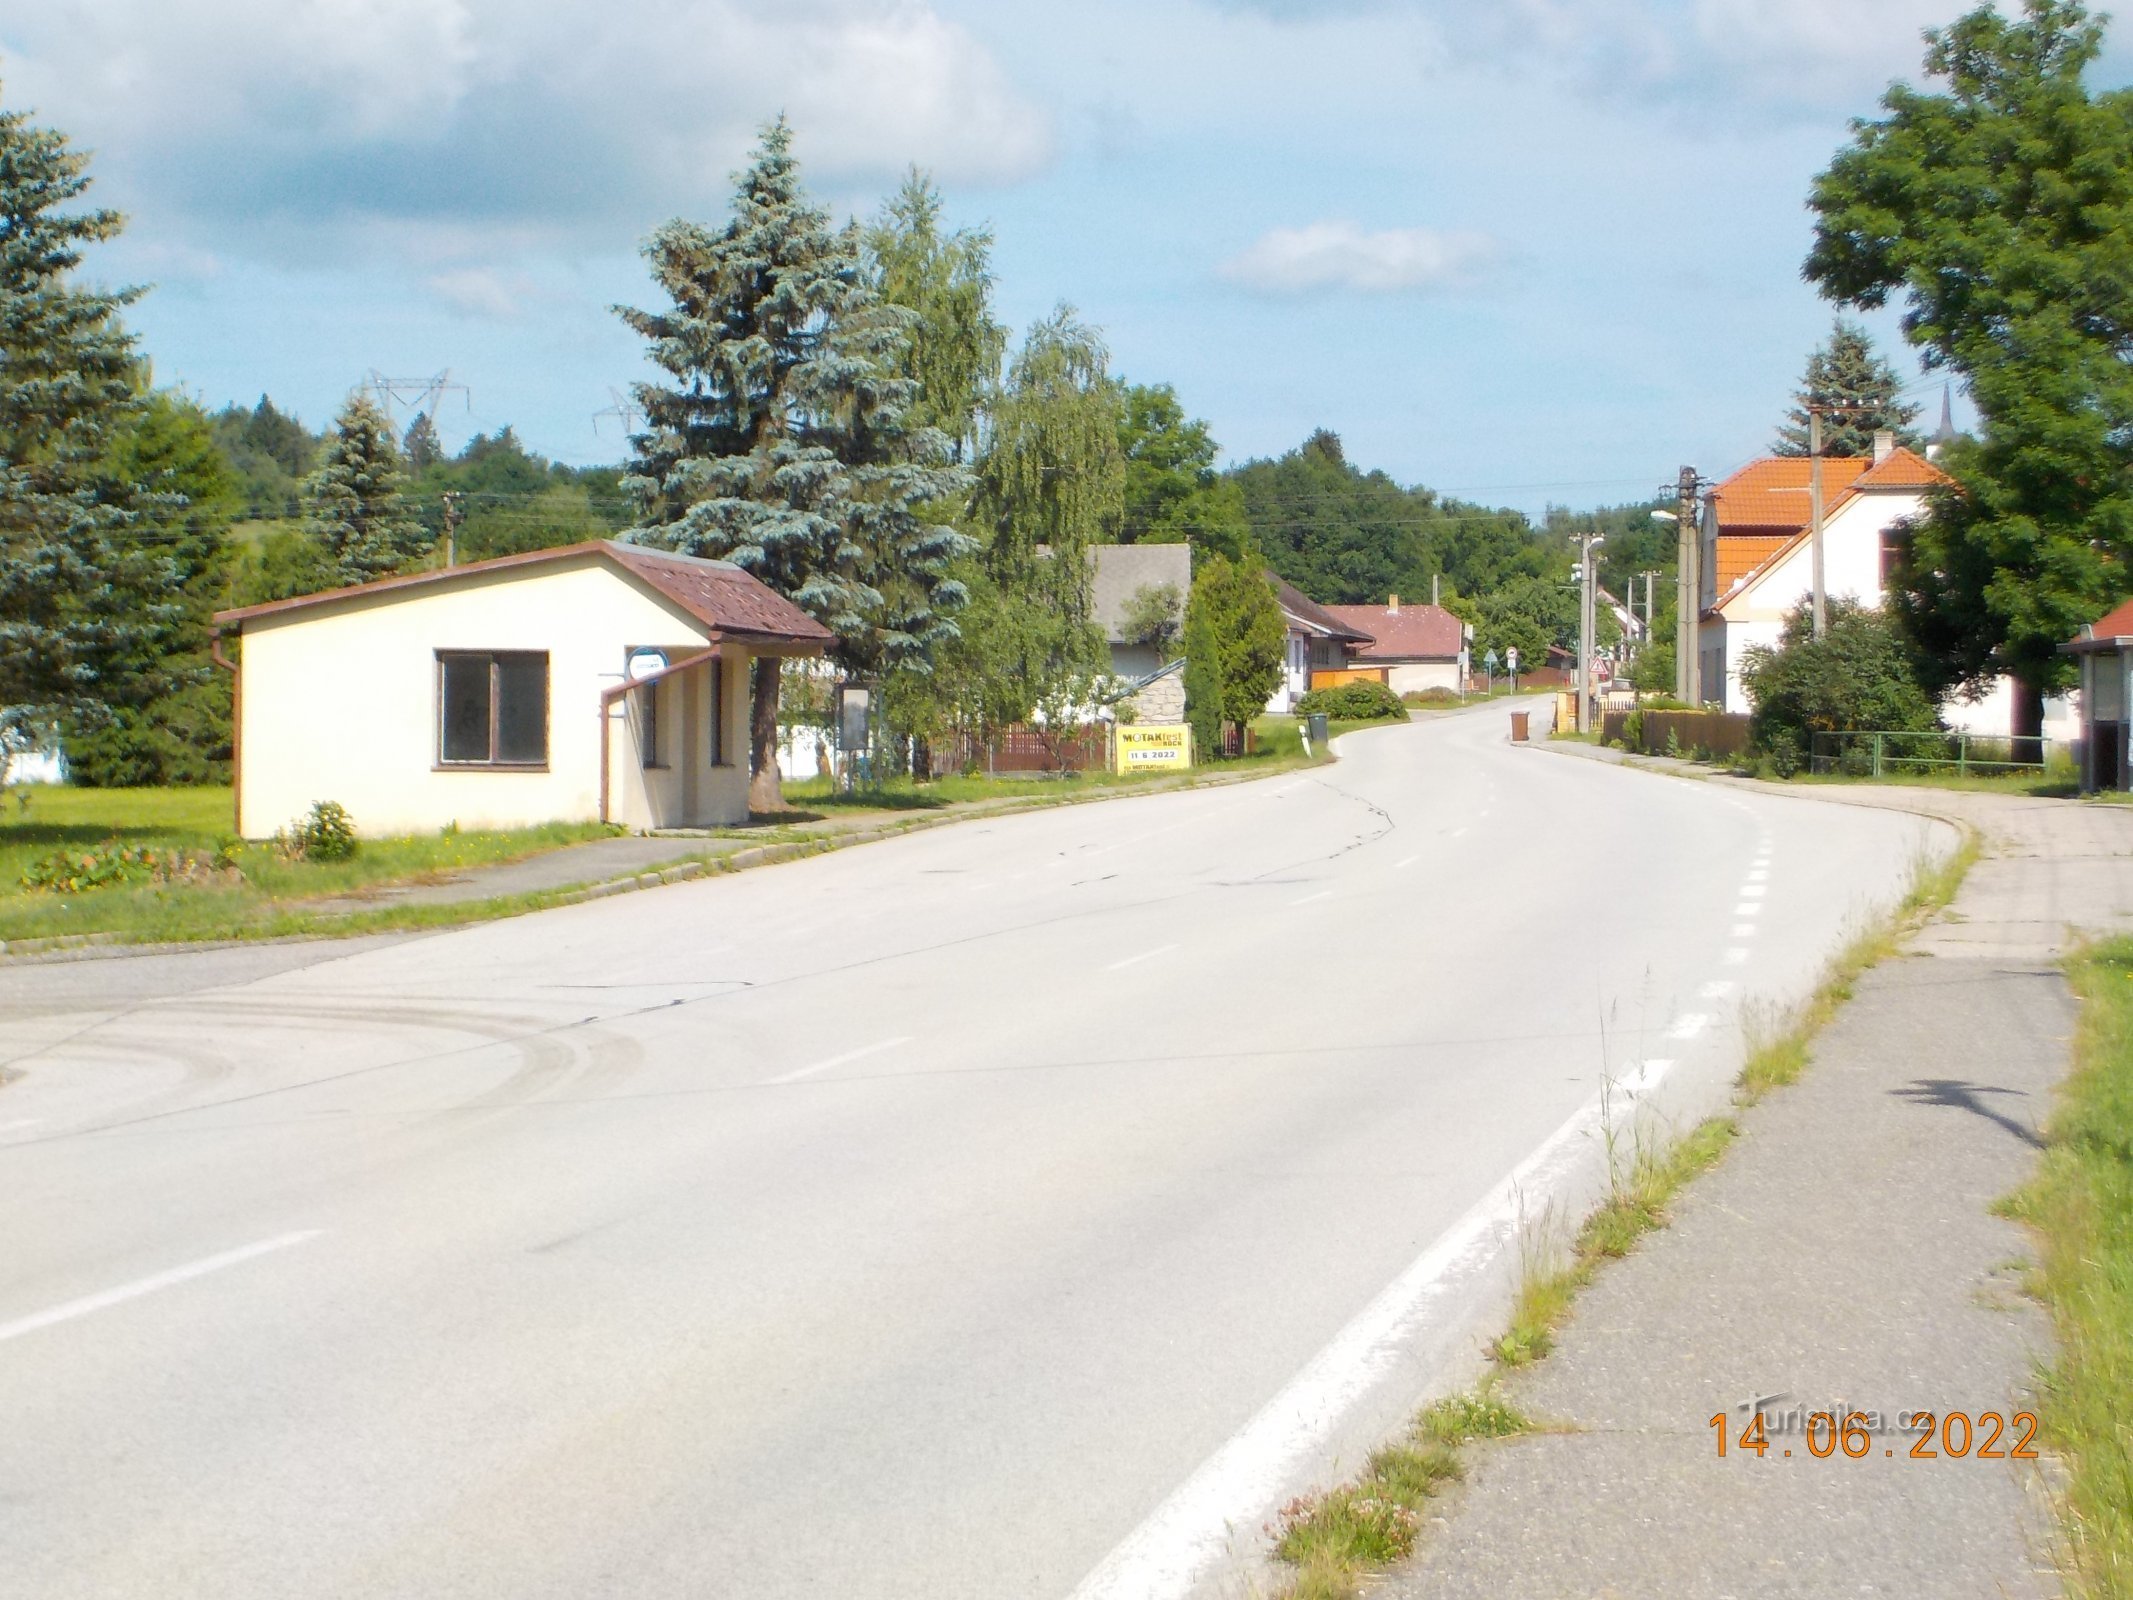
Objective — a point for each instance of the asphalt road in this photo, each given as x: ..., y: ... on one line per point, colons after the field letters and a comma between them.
x: 1016, y: 1209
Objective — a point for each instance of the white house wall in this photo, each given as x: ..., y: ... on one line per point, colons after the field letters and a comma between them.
x: 1413, y: 677
x: 340, y: 701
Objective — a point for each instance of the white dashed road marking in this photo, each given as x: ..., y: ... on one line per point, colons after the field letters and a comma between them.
x: 839, y: 1061
x: 68, y: 1310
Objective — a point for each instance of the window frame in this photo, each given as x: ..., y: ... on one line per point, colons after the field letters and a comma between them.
x: 648, y: 726
x: 495, y: 659
x: 717, y: 751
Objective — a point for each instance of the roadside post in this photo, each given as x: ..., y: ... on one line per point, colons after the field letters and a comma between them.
x: 855, y: 716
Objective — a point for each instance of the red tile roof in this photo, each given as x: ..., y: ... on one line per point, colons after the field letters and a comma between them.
x: 2117, y: 623
x: 726, y: 600
x: 1904, y: 469
x: 1412, y: 633
x: 1772, y: 494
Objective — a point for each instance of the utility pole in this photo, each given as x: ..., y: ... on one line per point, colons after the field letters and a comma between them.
x: 451, y: 527
x: 1688, y: 551
x: 1647, y: 575
x: 1814, y: 513
x: 1588, y: 589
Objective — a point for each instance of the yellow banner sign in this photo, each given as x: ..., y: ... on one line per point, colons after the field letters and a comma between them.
x: 1143, y: 749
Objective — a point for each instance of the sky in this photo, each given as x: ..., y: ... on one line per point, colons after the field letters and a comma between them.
x: 1531, y: 252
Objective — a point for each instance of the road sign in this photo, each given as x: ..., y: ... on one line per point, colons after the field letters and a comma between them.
x: 1490, y: 660
x: 642, y: 663
x: 1510, y: 657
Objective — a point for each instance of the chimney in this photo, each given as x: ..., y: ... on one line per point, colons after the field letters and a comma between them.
x: 1435, y: 593
x: 1394, y: 607
x: 1884, y: 445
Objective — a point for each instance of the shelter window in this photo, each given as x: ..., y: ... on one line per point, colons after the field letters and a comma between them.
x: 492, y: 708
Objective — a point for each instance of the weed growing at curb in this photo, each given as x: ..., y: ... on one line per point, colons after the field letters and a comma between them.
x: 1336, y: 1539
x: 1639, y: 1193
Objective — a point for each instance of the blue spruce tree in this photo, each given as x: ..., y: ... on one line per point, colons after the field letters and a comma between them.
x: 78, y: 588
x: 780, y: 439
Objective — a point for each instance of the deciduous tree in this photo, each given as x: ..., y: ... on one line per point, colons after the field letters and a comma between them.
x: 1173, y: 494
x: 2000, y: 207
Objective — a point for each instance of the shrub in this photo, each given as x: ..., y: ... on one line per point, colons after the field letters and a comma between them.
x: 1856, y: 677
x: 325, y: 833
x: 1358, y: 700
x: 1431, y: 697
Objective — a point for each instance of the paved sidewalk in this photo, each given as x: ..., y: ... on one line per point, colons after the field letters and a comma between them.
x: 1843, y: 1256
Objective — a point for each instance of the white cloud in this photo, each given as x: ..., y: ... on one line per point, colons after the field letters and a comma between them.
x: 487, y: 119
x: 1339, y: 256
x: 481, y: 292
x: 1762, y: 55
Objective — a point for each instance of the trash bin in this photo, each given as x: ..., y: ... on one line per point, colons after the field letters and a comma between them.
x: 1519, y: 726
x: 1315, y: 729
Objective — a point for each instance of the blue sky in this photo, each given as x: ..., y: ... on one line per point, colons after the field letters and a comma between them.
x: 1534, y: 251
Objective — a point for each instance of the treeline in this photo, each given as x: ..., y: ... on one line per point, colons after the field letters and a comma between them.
x: 896, y: 461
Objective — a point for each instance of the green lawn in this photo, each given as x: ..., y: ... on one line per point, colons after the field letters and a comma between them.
x: 259, y: 891
x: 2081, y: 1204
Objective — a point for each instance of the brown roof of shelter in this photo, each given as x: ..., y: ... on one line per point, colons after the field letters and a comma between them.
x: 721, y: 596
x: 1311, y: 614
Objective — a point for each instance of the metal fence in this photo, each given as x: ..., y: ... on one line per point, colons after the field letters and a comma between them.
x: 1869, y: 753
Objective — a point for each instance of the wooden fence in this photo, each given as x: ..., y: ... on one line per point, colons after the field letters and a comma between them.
x: 1026, y: 749
x: 1718, y: 733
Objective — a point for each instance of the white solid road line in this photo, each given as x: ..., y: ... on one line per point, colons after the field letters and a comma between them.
x: 1145, y: 955
x: 838, y: 1061
x: 1401, y: 865
x: 1168, y: 1554
x: 1323, y: 894
x: 71, y: 1309
x: 20, y: 1123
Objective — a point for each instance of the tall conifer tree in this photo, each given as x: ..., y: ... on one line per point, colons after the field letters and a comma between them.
x: 76, y: 589
x: 781, y: 438
x: 355, y: 505
x: 1862, y: 394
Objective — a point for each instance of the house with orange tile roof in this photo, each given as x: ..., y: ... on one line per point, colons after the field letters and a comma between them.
x: 1758, y: 557
x: 1758, y: 563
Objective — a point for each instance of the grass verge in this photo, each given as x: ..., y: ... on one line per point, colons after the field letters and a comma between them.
x: 2080, y: 1206
x: 262, y: 894
x: 1336, y: 1540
